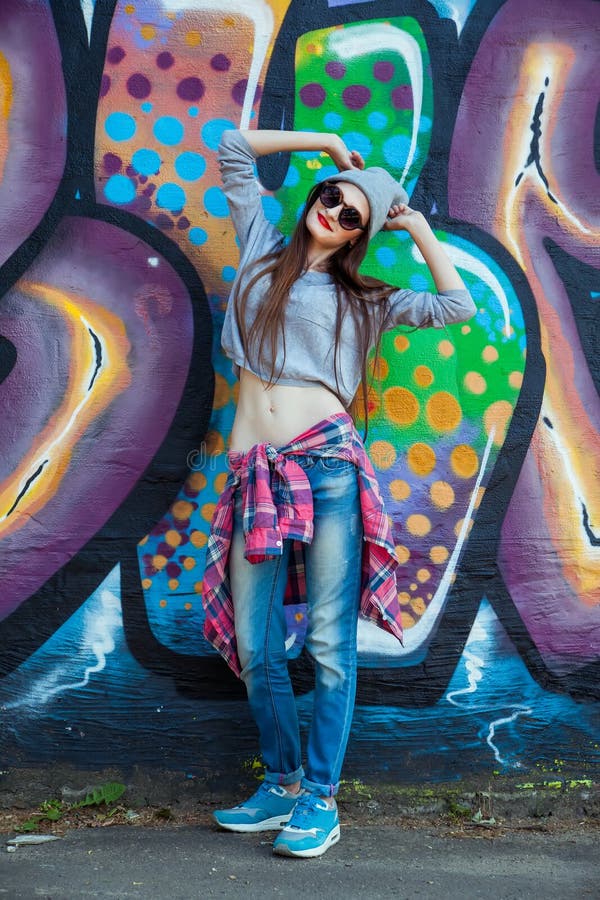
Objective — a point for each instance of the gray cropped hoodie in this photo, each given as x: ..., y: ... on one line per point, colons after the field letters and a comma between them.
x: 310, y: 315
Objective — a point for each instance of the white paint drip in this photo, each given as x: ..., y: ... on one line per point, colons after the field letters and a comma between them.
x: 87, y: 8
x: 376, y: 37
x: 100, y: 626
x: 463, y: 260
x: 519, y: 711
x: 474, y: 666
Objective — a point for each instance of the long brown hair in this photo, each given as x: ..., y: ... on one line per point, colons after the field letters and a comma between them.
x: 362, y: 295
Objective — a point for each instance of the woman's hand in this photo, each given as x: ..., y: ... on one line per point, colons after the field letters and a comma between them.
x: 342, y: 157
x: 402, y: 218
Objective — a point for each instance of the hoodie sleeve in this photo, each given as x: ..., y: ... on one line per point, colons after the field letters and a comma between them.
x: 425, y: 309
x: 256, y: 235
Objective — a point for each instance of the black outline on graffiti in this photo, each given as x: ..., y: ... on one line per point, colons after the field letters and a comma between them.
x: 156, y: 489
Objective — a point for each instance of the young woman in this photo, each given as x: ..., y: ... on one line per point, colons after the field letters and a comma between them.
x: 299, y: 325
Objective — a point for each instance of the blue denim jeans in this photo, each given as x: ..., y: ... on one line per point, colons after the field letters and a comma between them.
x: 333, y: 576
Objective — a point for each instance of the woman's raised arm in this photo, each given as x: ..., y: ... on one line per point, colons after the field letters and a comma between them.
x: 271, y: 141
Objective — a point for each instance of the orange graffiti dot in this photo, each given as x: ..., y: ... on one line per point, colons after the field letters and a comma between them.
x: 214, y: 443
x: 129, y: 9
x: 401, y: 406
x: 489, y: 354
x: 446, y: 348
x: 401, y: 343
x: 496, y: 419
x: 404, y: 597
x: 429, y: 596
x: 143, y: 541
x: 146, y: 583
x: 222, y: 392
x: 298, y: 616
x: 208, y: 511
x: 413, y: 586
x: 189, y: 563
x: 442, y: 494
x: 479, y: 497
x: 380, y: 369
x: 382, y: 454
x: 464, y: 461
x: 418, y: 524
x: 402, y: 554
x: 196, y: 481
x: 400, y: 490
x: 407, y: 620
x: 438, y: 554
x: 173, y: 584
x: 423, y: 376
x: 475, y: 383
x: 193, y: 38
x: 198, y: 587
x: 187, y: 605
x: 173, y: 538
x: 359, y: 403
x: 466, y: 329
x: 198, y: 539
x: 162, y: 603
x: 423, y: 575
x: 159, y: 561
x: 421, y: 459
x: 443, y: 411
x: 148, y: 32
x: 418, y: 605
x: 220, y: 482
x: 459, y: 525
x: 229, y: 22
x: 310, y: 48
x: 182, y: 510
x: 515, y: 379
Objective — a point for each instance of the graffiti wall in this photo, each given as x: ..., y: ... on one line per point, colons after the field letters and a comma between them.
x: 116, y: 403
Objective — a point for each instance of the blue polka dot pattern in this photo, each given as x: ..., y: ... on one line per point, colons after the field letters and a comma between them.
x: 119, y: 126
x: 168, y: 130
x: 197, y: 236
x: 146, y: 162
x: 190, y: 166
x: 215, y: 203
x: 119, y: 189
x: 170, y: 196
x: 212, y: 131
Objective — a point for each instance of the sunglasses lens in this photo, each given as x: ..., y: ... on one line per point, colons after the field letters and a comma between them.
x: 330, y: 195
x: 349, y: 218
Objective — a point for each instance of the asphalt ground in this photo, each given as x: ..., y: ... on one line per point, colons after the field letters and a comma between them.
x: 183, y: 862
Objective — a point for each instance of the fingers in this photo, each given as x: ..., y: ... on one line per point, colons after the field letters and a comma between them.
x: 356, y: 160
x: 399, y: 209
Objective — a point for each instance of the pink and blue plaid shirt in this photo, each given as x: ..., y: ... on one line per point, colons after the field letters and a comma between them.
x: 265, y: 472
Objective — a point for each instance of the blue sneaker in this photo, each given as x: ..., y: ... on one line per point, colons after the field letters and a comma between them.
x: 266, y: 810
x: 313, y: 828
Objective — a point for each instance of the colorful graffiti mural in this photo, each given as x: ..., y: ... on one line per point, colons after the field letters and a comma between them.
x: 116, y: 257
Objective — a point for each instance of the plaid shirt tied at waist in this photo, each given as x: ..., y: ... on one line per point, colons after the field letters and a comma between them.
x: 277, y: 504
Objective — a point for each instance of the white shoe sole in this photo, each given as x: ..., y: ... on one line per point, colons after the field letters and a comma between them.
x: 276, y: 823
x: 332, y: 838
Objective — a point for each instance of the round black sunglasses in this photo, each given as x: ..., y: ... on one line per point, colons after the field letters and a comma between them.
x: 331, y: 196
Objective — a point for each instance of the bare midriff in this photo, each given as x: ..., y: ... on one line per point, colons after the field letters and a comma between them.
x: 278, y: 413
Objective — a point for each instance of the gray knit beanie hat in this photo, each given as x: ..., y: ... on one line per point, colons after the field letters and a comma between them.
x: 380, y: 189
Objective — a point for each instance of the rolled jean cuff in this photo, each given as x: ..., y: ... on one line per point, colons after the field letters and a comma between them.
x: 322, y: 790
x: 282, y: 778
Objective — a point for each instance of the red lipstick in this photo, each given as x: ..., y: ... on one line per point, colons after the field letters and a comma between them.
x: 324, y: 222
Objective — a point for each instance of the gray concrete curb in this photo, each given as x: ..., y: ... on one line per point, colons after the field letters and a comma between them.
x: 568, y: 799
